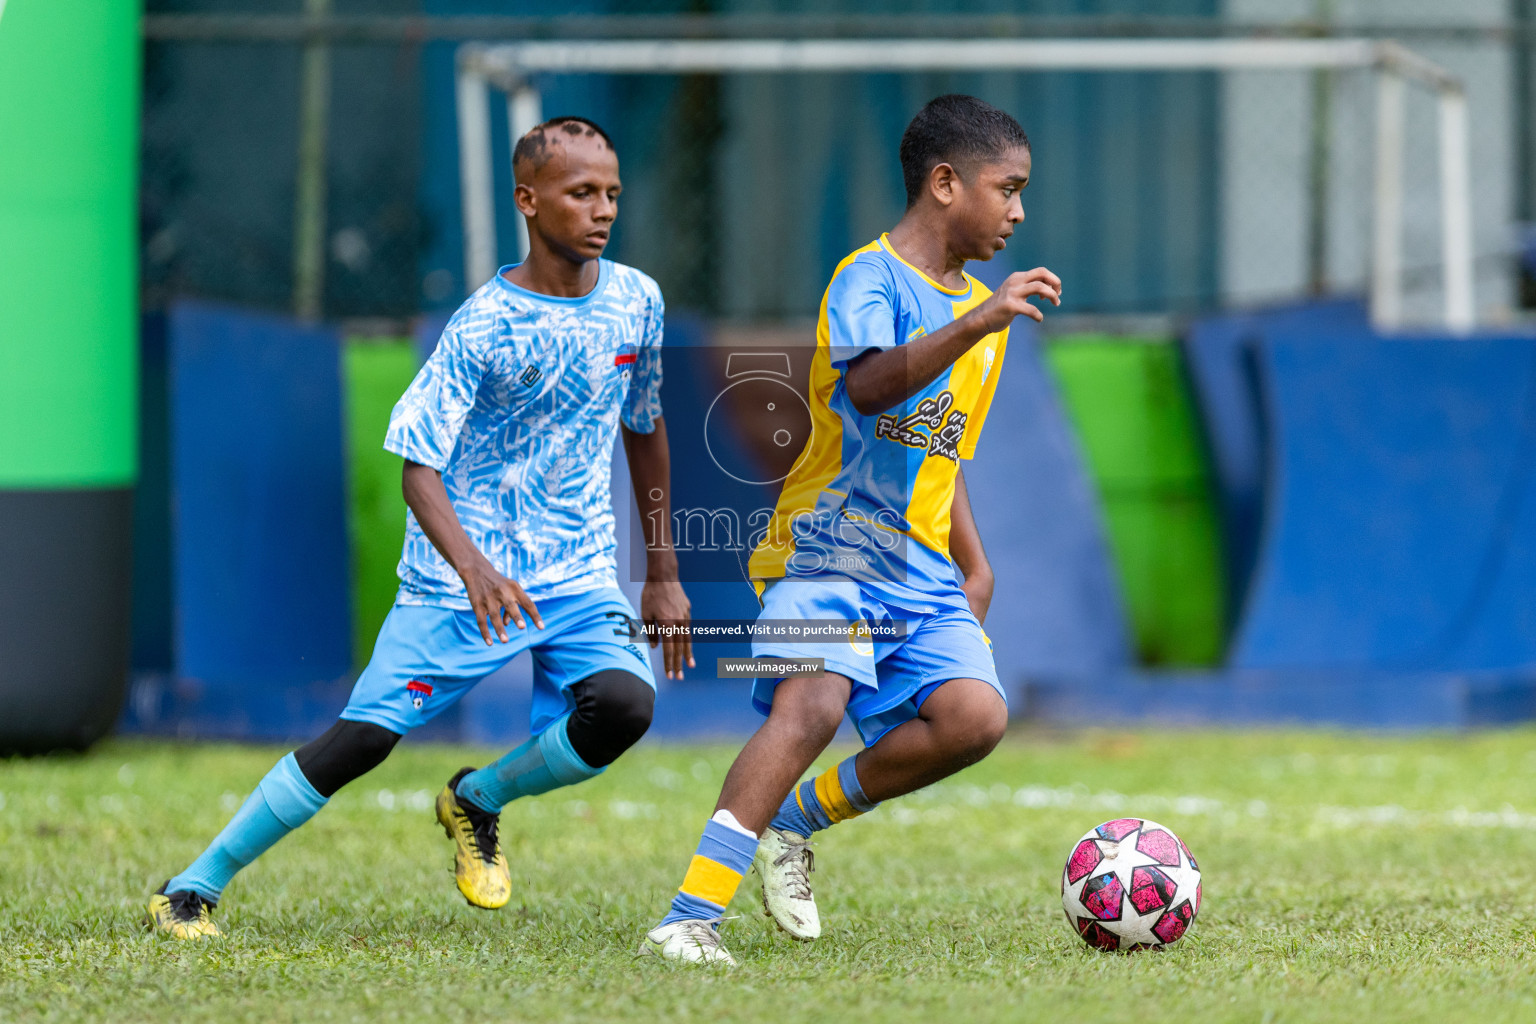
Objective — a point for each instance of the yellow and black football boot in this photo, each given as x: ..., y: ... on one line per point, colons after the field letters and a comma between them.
x: 183, y: 914
x: 478, y: 864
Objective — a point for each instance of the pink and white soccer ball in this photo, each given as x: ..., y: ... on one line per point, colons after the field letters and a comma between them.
x: 1130, y: 884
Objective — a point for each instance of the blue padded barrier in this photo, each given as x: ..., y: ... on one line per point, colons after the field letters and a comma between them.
x: 1219, y: 359
x: 152, y: 595
x: 260, y: 640
x: 1056, y: 611
x: 1397, y: 555
x: 1401, y: 531
x: 1358, y: 700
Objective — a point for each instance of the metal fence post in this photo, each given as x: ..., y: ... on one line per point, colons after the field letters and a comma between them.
x: 525, y: 111
x: 475, y: 171
x: 309, y: 198
x: 1456, y: 212
x: 1387, y: 240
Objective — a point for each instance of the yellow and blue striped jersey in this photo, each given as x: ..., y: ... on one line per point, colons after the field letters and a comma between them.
x: 869, y: 498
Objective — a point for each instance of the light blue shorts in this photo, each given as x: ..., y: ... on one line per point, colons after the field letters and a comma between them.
x: 426, y: 658
x: 891, y: 679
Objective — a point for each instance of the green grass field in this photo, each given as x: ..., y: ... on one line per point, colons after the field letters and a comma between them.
x: 1346, y: 879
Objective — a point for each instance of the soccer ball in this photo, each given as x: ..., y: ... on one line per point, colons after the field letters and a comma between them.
x: 1130, y: 884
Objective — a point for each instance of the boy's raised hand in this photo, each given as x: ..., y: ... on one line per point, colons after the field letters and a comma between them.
x: 1012, y: 298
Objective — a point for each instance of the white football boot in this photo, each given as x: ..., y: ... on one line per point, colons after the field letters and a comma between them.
x: 689, y: 942
x: 784, y: 862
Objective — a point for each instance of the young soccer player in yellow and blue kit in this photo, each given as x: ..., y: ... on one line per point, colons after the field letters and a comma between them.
x: 873, y: 529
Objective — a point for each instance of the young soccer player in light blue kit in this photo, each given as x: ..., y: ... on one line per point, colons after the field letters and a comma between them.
x: 508, y: 434
x: 873, y: 527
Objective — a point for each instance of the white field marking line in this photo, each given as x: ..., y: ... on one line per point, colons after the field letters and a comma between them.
x: 392, y: 801
x: 405, y: 800
x: 1187, y: 806
x: 949, y: 798
x: 1032, y: 797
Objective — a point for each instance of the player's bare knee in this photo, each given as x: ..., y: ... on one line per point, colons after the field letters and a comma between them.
x: 810, y: 712
x: 815, y: 724
x: 991, y: 726
x: 973, y: 730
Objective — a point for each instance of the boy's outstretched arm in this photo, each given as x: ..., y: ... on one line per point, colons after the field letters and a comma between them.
x: 496, y: 599
x: 662, y: 599
x: 877, y: 381
x: 965, y: 546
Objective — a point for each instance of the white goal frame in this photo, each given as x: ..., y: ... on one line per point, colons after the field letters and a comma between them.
x: 508, y: 68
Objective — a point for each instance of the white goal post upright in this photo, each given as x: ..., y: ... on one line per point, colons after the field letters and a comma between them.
x: 508, y: 67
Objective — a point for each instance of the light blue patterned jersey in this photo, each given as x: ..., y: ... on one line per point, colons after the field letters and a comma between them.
x: 518, y: 409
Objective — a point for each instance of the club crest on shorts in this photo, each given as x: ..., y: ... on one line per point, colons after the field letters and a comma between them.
x: 861, y: 638
x: 419, y: 692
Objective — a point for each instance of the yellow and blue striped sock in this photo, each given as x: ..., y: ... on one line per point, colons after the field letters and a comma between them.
x: 834, y: 795
x: 724, y: 855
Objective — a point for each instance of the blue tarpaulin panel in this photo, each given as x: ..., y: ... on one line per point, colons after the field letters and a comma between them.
x: 1056, y: 610
x: 1391, y: 585
x: 259, y: 575
x: 1339, y: 699
x: 1399, y: 530
x: 1219, y: 358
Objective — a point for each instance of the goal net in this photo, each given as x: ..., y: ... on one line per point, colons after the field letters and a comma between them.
x: 1222, y: 172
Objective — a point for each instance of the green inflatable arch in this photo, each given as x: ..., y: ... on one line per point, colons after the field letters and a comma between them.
x: 69, y: 114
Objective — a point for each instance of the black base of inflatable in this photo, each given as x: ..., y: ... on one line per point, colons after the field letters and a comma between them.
x: 64, y: 626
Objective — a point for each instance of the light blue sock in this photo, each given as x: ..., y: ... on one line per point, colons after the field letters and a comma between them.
x: 281, y: 802
x: 547, y: 761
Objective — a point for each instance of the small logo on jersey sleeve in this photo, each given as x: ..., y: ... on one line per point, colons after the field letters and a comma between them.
x: 627, y: 354
x: 531, y: 376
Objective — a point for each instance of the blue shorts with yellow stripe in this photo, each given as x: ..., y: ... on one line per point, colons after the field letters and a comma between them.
x: 891, y: 679
x: 427, y: 658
